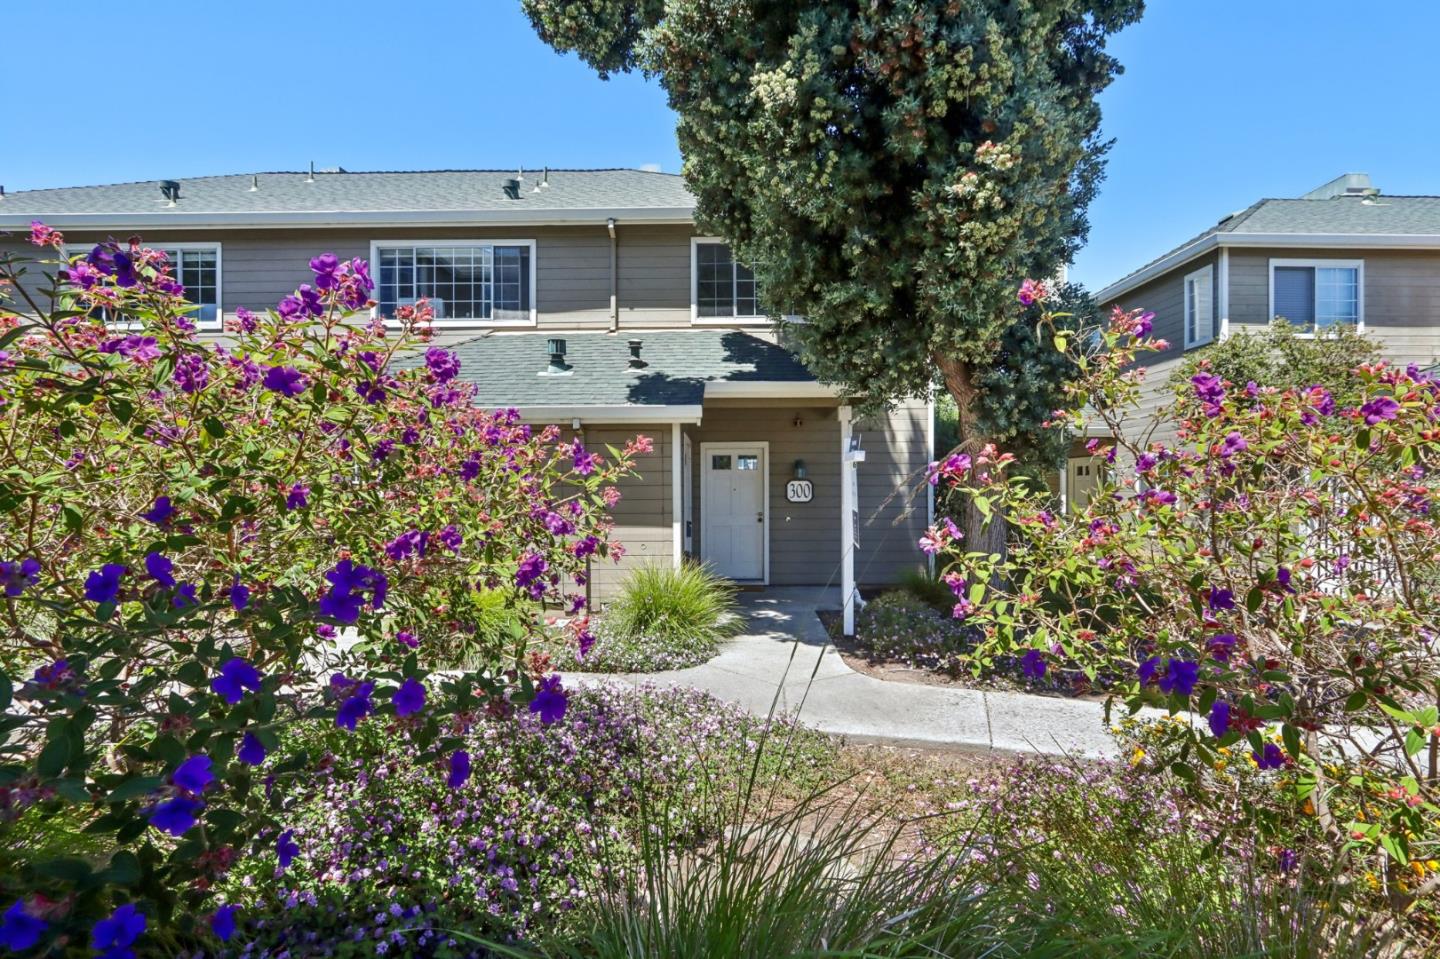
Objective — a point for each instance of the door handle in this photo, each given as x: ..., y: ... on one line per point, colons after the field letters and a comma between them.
x: 759, y: 517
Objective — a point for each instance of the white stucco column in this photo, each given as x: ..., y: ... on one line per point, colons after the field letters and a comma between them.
x: 677, y: 499
x: 847, y: 524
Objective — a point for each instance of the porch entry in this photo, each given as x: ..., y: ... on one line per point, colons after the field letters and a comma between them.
x: 734, y: 509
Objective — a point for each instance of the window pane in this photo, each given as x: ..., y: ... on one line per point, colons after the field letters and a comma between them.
x: 715, y: 293
x: 198, y: 272
x: 461, y: 282
x: 747, y: 298
x: 747, y: 462
x: 1337, y: 300
x: 1295, y: 295
x: 718, y: 462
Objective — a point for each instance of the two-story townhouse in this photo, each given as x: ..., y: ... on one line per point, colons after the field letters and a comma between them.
x: 584, y: 298
x: 1342, y: 254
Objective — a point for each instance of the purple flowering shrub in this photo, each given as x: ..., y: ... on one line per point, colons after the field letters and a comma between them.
x: 395, y: 858
x: 186, y: 527
x: 1264, y: 574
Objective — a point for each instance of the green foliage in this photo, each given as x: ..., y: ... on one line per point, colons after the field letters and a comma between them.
x: 1266, y: 573
x: 926, y: 587
x: 496, y: 621
x: 1283, y: 357
x: 664, y: 618
x: 889, y: 170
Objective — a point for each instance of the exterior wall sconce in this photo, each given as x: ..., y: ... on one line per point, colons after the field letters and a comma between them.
x: 800, y: 471
x: 797, y: 422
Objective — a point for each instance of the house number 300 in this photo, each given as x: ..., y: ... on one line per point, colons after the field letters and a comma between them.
x: 799, y: 491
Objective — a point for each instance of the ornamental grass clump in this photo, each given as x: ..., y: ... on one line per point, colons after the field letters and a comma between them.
x: 186, y: 526
x: 1264, y: 574
x: 664, y: 618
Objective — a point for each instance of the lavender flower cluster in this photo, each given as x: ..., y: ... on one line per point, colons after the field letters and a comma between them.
x: 395, y: 862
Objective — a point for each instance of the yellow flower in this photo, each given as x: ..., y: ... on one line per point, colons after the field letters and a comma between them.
x: 1418, y: 868
x: 1309, y: 808
x: 1220, y: 765
x: 1137, y: 756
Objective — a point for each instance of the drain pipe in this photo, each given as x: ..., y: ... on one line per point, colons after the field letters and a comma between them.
x: 614, y: 279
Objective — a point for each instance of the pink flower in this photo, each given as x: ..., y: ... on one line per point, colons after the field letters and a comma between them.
x: 1032, y: 292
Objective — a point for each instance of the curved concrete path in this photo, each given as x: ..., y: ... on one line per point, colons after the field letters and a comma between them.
x: 786, y: 653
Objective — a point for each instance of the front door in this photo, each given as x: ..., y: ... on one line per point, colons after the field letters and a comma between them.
x: 732, y: 507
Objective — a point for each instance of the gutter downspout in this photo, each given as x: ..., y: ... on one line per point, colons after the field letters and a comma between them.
x: 614, y: 278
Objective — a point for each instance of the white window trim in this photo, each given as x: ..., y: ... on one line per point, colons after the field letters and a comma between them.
x: 476, y: 323
x: 1205, y: 275
x: 695, y: 318
x: 1357, y: 265
x: 82, y: 249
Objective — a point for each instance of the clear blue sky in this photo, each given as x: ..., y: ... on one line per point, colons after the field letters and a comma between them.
x: 1223, y: 101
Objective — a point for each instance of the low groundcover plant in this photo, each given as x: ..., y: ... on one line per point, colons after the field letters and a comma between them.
x: 184, y: 528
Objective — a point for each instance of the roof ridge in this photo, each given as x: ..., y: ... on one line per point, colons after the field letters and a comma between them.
x: 318, y: 173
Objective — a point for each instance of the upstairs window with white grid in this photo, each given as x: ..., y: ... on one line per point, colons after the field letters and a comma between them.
x: 724, y: 288
x: 475, y: 282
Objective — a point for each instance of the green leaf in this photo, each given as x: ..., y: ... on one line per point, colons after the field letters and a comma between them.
x: 7, y: 690
x: 1253, y: 599
x: 1291, y: 737
x: 68, y: 868
x: 1356, y: 700
x: 122, y: 408
x: 132, y: 788
x: 124, y: 869
x: 214, y: 427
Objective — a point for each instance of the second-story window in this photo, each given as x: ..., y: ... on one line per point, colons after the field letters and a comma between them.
x: 1199, y: 308
x: 1315, y: 295
x: 489, y: 282
x: 724, y: 288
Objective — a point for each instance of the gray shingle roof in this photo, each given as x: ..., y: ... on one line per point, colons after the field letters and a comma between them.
x: 1398, y: 216
x: 266, y: 195
x: 507, y: 367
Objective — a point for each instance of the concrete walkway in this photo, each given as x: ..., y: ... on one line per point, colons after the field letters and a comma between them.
x: 786, y: 653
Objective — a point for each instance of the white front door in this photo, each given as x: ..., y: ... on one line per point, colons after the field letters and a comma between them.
x: 732, y: 509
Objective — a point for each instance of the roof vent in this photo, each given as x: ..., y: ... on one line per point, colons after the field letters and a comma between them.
x: 254, y: 183
x: 512, y: 188
x: 171, y: 190
x: 558, y: 367
x: 636, y: 363
x: 1346, y: 184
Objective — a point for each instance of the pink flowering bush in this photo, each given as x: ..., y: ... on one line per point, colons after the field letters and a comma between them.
x: 1273, y: 574
x: 201, y: 543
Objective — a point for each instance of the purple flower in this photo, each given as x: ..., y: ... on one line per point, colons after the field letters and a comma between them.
x: 1210, y: 390
x: 451, y: 538
x: 1032, y: 664
x: 302, y: 303
x: 191, y: 373
x: 194, y: 774
x: 1219, y: 719
x: 407, y: 544
x: 371, y: 391
x: 1221, y: 646
x: 469, y: 469
x: 1269, y: 758
x: 1144, y: 323
x: 444, y: 365
x: 1180, y: 677
x: 239, y: 595
x: 1220, y: 599
x: 549, y: 700
x: 1232, y: 444
x: 160, y: 569
x: 103, y: 585
x: 324, y: 267
x: 286, y: 849
x: 406, y: 638
x: 246, y: 319
x: 1146, y: 671
x: 585, y: 639
x: 356, y: 708
x: 1379, y: 409
x: 298, y: 497
x: 285, y: 380
x: 584, y: 462
x: 114, y: 936
x: 252, y: 751
x: 16, y: 576
x: 176, y: 816
x: 185, y: 597
x: 1158, y: 497
x: 222, y: 922
x: 141, y: 349
x: 236, y: 676
x: 459, y: 768
x: 527, y: 576
x: 585, y: 546
x: 18, y: 929
x: 160, y: 512
x: 409, y: 699
x: 349, y: 582
x: 1146, y: 462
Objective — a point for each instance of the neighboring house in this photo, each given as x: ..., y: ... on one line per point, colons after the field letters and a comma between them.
x: 1342, y: 254
x: 583, y: 298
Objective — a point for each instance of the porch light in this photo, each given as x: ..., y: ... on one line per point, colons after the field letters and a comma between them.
x: 800, y: 471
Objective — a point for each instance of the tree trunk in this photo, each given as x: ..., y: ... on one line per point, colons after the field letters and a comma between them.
x: 980, y: 536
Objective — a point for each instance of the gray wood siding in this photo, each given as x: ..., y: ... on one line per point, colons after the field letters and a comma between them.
x: 1401, y: 293
x: 894, y: 501
x: 572, y: 266
x: 1165, y: 295
x: 643, y: 515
